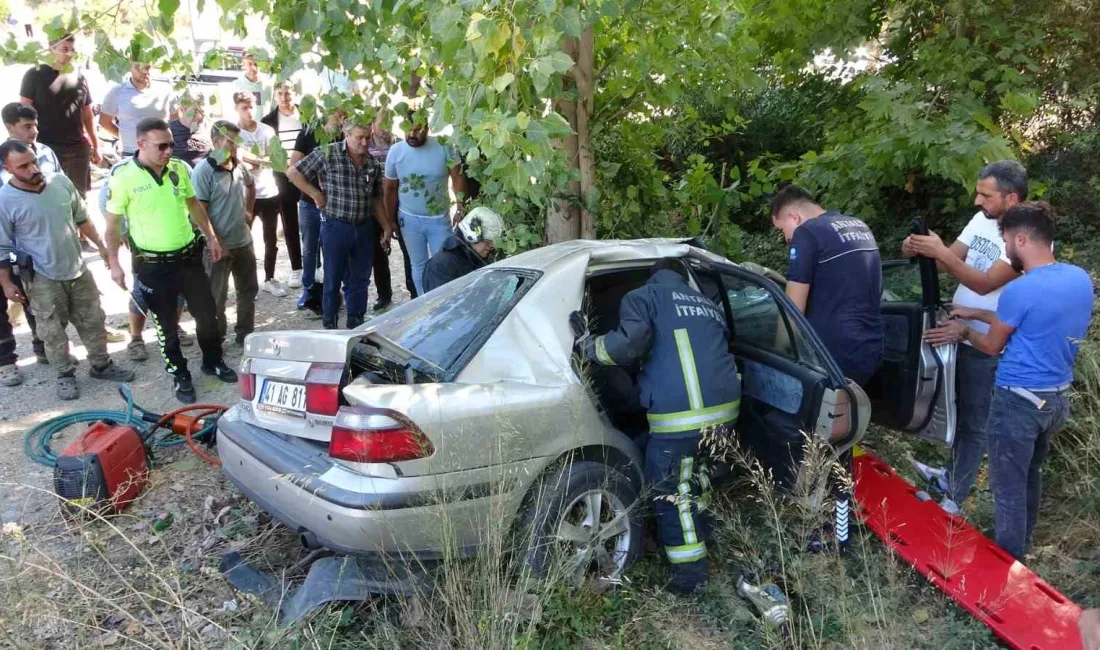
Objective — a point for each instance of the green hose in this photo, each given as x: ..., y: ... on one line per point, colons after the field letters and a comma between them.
x: 36, y: 444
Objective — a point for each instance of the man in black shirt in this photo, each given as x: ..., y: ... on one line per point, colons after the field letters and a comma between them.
x: 309, y: 217
x: 835, y: 277
x: 60, y: 95
x: 190, y: 137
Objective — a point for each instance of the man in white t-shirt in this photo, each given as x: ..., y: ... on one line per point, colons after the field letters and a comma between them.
x: 287, y: 123
x: 977, y: 260
x: 255, y: 149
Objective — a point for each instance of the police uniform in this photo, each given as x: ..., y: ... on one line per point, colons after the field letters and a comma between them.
x: 688, y: 383
x: 167, y: 255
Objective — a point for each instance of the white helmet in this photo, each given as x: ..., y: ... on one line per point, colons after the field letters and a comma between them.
x: 481, y: 224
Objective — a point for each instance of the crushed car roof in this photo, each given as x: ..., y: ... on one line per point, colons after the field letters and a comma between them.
x: 601, y: 251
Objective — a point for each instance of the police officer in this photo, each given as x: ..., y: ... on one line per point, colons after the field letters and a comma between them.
x: 153, y: 192
x: 689, y: 385
x: 467, y: 249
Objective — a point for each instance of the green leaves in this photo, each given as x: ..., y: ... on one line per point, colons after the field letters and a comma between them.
x: 544, y: 68
x: 501, y: 83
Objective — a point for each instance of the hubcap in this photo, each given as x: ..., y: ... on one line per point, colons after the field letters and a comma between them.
x: 594, y: 536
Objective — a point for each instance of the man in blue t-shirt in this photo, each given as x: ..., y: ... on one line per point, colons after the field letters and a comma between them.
x: 417, y: 172
x: 835, y: 277
x: 1040, y: 321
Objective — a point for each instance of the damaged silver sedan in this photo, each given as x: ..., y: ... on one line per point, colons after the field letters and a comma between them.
x: 463, y: 415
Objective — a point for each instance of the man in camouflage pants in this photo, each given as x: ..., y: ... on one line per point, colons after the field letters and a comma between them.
x: 39, y: 220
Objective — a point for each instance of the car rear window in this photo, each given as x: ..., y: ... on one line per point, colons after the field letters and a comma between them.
x: 455, y: 319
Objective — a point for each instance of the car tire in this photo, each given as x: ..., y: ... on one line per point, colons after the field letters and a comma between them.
x: 560, y: 534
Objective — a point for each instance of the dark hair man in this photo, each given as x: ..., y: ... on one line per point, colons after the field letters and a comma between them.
x: 287, y: 124
x: 417, y: 171
x: 21, y: 121
x: 382, y: 140
x: 60, y: 95
x: 153, y: 192
x: 467, y: 249
x: 688, y: 384
x: 344, y: 182
x: 39, y: 219
x: 255, y: 138
x: 135, y: 99
x: 254, y: 84
x: 309, y: 216
x: 835, y: 277
x: 190, y: 133
x: 1040, y: 321
x: 978, y: 261
x: 224, y: 186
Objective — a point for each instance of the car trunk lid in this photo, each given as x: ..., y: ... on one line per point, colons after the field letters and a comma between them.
x: 291, y: 381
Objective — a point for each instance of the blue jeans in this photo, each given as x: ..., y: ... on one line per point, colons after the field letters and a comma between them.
x: 1019, y: 439
x: 424, y: 237
x: 348, y: 251
x: 309, y: 223
x: 975, y: 372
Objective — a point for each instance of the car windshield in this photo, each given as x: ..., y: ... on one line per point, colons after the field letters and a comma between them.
x: 441, y: 325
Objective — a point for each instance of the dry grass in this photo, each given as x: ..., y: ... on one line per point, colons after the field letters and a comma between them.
x: 113, y: 583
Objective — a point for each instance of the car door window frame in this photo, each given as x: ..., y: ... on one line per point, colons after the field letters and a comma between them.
x: 791, y: 317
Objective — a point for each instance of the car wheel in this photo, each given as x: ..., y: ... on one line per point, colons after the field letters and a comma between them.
x: 582, y: 521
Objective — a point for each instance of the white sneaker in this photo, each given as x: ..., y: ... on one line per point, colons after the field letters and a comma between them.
x: 274, y: 288
x: 295, y: 281
x: 950, y: 507
x: 936, y: 476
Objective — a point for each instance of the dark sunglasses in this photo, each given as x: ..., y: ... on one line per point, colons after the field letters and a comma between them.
x: 162, y: 146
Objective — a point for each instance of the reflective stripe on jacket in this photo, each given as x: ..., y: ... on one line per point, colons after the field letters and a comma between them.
x: 688, y: 379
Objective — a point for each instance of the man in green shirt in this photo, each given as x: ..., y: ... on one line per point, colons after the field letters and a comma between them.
x: 153, y: 192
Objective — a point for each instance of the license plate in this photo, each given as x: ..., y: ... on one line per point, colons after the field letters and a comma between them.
x: 280, y: 397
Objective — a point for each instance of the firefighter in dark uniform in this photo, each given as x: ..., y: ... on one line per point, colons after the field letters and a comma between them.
x: 688, y: 383
x: 153, y: 192
x: 467, y: 250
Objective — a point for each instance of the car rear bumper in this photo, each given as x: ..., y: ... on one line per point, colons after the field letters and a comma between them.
x: 295, y: 482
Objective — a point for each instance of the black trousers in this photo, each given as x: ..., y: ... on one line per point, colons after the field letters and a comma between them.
x: 268, y: 212
x: 162, y: 283
x: 289, y: 195
x: 7, y: 335
x: 382, y: 278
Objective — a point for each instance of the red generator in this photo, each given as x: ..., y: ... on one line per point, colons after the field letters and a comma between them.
x: 102, y: 471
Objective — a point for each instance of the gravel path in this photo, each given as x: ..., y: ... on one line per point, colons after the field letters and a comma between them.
x: 34, y: 401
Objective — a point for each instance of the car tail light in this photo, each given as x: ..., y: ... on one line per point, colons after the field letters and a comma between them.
x: 363, y: 435
x: 323, y: 388
x: 246, y: 380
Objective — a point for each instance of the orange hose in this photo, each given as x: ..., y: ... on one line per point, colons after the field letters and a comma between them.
x: 186, y: 426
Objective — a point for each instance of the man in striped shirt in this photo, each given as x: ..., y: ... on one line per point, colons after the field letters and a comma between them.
x: 287, y: 124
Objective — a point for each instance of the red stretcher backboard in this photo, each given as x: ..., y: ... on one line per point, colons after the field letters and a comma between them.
x: 1020, y: 608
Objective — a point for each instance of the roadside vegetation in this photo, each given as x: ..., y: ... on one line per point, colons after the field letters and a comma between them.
x: 696, y: 111
x: 119, y: 583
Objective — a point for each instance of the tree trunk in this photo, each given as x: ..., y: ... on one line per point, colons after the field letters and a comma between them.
x: 565, y: 219
x: 585, y: 160
x: 563, y: 222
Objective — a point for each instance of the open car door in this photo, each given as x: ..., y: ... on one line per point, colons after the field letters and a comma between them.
x: 790, y: 385
x: 914, y: 391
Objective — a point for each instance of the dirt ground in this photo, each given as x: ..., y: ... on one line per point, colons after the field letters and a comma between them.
x: 209, y: 516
